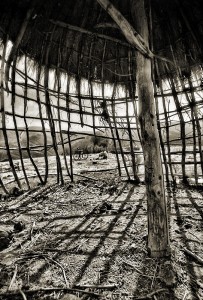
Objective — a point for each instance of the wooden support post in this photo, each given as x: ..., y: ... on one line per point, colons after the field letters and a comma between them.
x: 158, y: 238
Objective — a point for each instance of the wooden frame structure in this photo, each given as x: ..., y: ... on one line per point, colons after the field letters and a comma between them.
x: 76, y: 76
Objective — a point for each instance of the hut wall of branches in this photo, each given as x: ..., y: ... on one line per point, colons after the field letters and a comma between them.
x: 60, y: 104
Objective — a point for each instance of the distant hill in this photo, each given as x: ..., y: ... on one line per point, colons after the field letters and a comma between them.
x: 36, y: 141
x: 81, y: 140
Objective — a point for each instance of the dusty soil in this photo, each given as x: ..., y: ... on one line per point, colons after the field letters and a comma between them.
x: 89, y: 239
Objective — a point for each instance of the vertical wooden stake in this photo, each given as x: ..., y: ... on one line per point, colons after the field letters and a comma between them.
x: 118, y: 139
x: 90, y: 76
x: 26, y: 124
x: 50, y: 113
x: 134, y: 167
x: 198, y: 126
x: 166, y: 123
x: 58, y: 80
x: 131, y: 87
x: 2, y: 107
x: 158, y: 239
x: 182, y: 124
x: 69, y: 125
x: 42, y: 124
x: 13, y: 99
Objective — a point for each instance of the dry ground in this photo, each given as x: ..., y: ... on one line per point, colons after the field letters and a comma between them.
x: 91, y: 236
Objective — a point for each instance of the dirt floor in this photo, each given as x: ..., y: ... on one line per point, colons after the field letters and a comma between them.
x: 89, y: 239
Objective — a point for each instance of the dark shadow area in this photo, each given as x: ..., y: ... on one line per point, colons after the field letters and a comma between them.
x: 98, y: 238
x: 184, y: 241
x: 102, y: 240
x: 195, y: 202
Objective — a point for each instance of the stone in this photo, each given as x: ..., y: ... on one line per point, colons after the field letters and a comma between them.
x: 19, y: 226
x: 5, y: 238
x: 15, y: 191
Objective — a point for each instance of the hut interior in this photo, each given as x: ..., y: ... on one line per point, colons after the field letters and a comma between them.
x: 101, y: 158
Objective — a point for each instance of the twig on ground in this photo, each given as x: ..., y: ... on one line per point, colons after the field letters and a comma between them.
x: 154, y: 276
x: 23, y: 295
x: 99, y: 170
x: 199, y: 283
x: 192, y: 233
x: 31, y: 230
x: 130, y: 265
x: 56, y: 250
x: 92, y: 286
x: 185, y: 295
x: 87, y: 177
x: 150, y: 295
x: 13, y: 278
x: 138, y: 271
x: 62, y: 268
x: 51, y: 290
x: 37, y: 254
x: 190, y: 253
x: 32, y: 240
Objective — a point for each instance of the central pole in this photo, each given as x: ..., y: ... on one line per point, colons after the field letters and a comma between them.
x: 158, y: 238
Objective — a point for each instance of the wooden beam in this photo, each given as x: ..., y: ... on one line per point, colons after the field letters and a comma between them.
x: 106, y: 25
x: 134, y: 38
x: 89, y: 32
x: 158, y: 238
